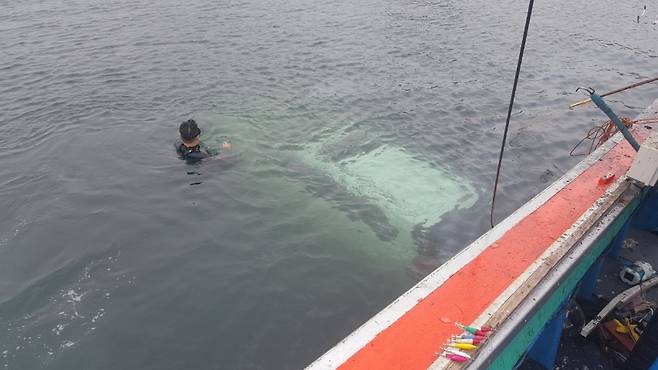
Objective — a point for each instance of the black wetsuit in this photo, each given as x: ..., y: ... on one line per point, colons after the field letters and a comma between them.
x: 194, y: 153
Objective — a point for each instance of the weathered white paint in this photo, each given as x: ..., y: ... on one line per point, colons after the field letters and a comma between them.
x: 645, y: 164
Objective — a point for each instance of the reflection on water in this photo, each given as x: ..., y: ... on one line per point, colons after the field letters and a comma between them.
x: 365, y: 137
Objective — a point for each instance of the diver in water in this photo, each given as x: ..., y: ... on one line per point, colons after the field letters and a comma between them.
x: 189, y: 145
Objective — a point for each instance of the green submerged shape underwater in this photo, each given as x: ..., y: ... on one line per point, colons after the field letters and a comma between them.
x: 400, y: 191
x: 410, y: 191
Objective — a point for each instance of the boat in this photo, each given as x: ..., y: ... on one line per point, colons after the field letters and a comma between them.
x: 518, y: 283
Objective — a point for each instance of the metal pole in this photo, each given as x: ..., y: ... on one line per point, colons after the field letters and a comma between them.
x: 615, y: 91
x: 613, y: 117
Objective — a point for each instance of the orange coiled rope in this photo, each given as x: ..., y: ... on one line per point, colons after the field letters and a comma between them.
x: 600, y: 134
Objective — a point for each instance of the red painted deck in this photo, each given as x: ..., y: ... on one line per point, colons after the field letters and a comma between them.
x: 412, y: 342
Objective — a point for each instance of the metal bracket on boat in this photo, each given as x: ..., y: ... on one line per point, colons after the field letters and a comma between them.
x: 589, y: 90
x: 619, y: 300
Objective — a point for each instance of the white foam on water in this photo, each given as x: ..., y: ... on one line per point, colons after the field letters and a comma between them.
x: 78, y: 308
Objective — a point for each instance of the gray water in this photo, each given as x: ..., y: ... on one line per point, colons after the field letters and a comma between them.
x: 114, y: 254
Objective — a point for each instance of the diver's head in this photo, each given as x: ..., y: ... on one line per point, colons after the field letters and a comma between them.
x: 189, y: 133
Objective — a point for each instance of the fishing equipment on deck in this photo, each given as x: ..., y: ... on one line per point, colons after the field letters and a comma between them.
x: 600, y: 134
x: 483, y: 328
x: 465, y: 346
x: 627, y: 328
x: 454, y: 357
x: 470, y: 336
x: 483, y: 331
x: 457, y: 352
x: 645, y: 352
x: 620, y: 300
x: 636, y: 272
x: 468, y: 341
x: 613, y: 117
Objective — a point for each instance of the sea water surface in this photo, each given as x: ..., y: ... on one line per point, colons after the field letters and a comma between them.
x: 365, y: 134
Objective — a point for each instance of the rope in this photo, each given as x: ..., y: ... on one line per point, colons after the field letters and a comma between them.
x: 600, y: 134
x: 511, y: 104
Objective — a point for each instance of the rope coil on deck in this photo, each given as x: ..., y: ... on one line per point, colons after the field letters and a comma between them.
x: 600, y: 134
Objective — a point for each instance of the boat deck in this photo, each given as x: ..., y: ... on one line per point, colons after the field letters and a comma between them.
x: 576, y: 352
x: 513, y: 278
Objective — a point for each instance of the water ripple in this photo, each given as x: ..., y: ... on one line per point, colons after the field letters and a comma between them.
x: 91, y: 95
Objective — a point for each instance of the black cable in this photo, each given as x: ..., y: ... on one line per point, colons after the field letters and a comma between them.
x: 511, y: 104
